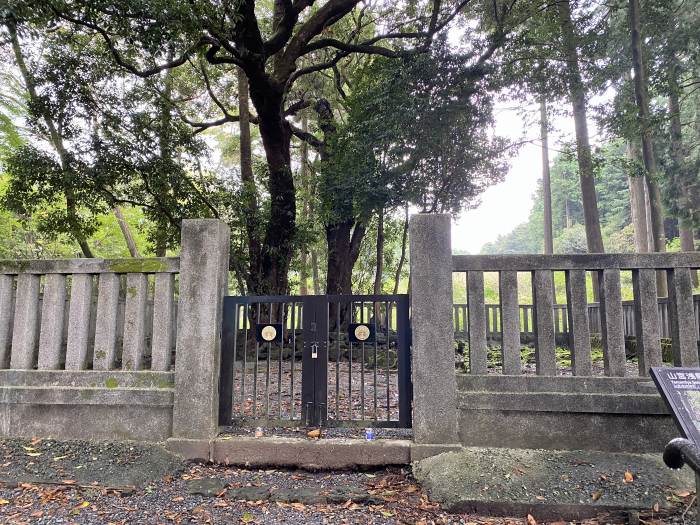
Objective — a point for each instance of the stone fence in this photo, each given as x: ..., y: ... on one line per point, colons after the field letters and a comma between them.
x: 561, y: 326
x: 87, y: 345
x: 572, y: 399
x: 76, y: 364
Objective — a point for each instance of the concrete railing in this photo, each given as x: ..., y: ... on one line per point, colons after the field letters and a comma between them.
x: 82, y: 314
x: 114, y: 349
x: 563, y: 399
x: 607, y: 267
x: 560, y: 315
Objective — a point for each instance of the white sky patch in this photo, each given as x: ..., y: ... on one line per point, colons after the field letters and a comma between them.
x: 508, y: 204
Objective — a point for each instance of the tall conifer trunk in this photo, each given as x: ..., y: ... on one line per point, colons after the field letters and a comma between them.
x: 638, y: 207
x: 642, y: 98
x: 577, y: 93
x: 685, y: 226
x: 546, y: 182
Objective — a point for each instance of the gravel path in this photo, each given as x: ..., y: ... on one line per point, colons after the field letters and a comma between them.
x: 33, y: 490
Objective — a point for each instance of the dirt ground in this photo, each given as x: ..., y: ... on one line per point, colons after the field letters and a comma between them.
x: 52, y: 482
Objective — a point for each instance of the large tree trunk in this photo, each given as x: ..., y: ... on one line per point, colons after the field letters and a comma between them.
x: 315, y: 279
x: 688, y: 245
x: 126, y: 232
x: 379, y: 273
x: 642, y: 97
x: 250, y: 191
x: 402, y: 259
x: 344, y: 232
x: 277, y: 245
x: 344, y: 243
x: 685, y: 226
x: 546, y: 182
x: 637, y: 201
x: 306, y: 184
x: 577, y: 92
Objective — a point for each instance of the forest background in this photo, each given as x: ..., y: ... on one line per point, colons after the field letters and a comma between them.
x: 313, y: 130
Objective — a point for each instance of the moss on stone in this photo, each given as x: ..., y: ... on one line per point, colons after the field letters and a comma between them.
x: 111, y: 382
x: 87, y: 393
x: 137, y: 265
x: 14, y: 266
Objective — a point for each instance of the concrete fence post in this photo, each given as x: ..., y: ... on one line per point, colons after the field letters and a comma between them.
x: 203, y: 284
x: 434, y: 381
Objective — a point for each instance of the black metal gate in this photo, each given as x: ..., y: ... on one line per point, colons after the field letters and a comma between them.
x: 325, y: 360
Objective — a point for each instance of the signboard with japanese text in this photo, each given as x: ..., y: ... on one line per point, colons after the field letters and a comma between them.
x: 680, y: 389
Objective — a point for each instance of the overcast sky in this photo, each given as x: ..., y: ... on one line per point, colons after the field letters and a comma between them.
x: 508, y: 204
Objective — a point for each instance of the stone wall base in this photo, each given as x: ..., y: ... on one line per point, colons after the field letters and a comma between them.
x: 566, y: 430
x: 99, y: 422
x: 116, y: 406
x: 610, y: 414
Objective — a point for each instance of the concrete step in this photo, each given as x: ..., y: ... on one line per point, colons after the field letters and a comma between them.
x: 312, y: 454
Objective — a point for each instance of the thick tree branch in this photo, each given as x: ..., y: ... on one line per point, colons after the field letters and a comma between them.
x: 316, y: 23
x: 143, y: 73
x: 307, y: 137
x: 211, y: 93
x: 213, y: 57
x: 297, y: 106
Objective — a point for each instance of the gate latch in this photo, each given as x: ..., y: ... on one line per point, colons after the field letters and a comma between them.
x: 314, y: 351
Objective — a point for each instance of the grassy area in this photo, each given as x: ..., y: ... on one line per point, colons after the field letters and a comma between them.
x: 563, y: 354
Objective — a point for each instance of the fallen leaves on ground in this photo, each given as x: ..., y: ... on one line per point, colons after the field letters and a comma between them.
x: 396, y: 498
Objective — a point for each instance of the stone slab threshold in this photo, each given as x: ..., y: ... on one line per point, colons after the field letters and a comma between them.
x: 312, y: 454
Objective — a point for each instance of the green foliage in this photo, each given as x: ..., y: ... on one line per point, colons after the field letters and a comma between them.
x: 12, y: 107
x: 611, y: 171
x: 39, y: 186
x: 416, y: 131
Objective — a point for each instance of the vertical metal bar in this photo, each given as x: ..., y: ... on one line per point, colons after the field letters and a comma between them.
x: 376, y: 338
x: 322, y: 370
x: 237, y: 310
x: 279, y: 366
x: 244, y: 371
x: 352, y: 319
x: 267, y: 371
x: 404, y: 359
x: 294, y: 355
x: 337, y: 362
x: 307, y: 394
x: 362, y: 367
x: 226, y: 364
x: 255, y: 367
x: 388, y: 378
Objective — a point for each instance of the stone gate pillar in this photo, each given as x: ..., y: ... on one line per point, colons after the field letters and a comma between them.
x: 203, y: 284
x: 433, y: 361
